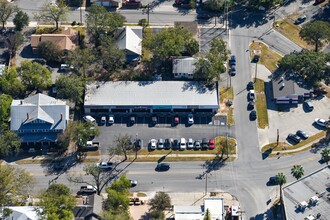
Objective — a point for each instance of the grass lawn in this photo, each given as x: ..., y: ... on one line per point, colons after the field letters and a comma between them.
x: 284, y: 146
x: 291, y: 31
x: 93, y: 153
x: 261, y: 104
x: 227, y: 94
x: 48, y: 30
x: 220, y: 143
x: 268, y: 57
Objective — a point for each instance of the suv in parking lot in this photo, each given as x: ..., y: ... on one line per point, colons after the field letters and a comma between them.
x: 183, y: 144
x: 309, y: 105
x: 153, y: 144
x: 160, y: 143
x: 132, y: 120
x: 300, y: 20
x: 88, y: 118
x: 294, y: 138
x: 190, y: 119
x: 205, y: 144
x: 251, y: 95
x: 190, y: 144
x: 111, y: 119
x: 167, y: 144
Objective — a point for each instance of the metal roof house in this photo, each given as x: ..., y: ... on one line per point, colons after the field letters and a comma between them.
x: 287, y: 90
x: 130, y: 40
x: 149, y: 97
x: 184, y: 68
x: 38, y: 119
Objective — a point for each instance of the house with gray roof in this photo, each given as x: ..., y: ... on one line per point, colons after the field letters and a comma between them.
x: 23, y: 212
x: 288, y: 89
x: 38, y: 119
x: 184, y: 68
x: 130, y: 40
x: 90, y: 210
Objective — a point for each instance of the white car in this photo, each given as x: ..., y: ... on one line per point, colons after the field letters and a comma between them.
x: 111, y: 120
x: 153, y: 144
x: 160, y: 143
x: 88, y: 118
x: 103, y: 120
x: 190, y: 144
x: 190, y: 119
x: 183, y: 144
x: 320, y: 122
x: 133, y: 183
x: 251, y: 95
x: 104, y: 165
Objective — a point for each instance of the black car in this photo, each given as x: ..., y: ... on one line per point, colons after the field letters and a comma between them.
x: 302, y: 134
x: 205, y: 143
x: 175, y: 145
x: 233, y: 70
x: 132, y: 120
x: 154, y: 120
x: 250, y: 86
x: 300, y: 20
x: 232, y: 60
x: 167, y: 144
x: 138, y: 144
x: 294, y: 138
x: 162, y: 167
x: 253, y: 115
x: 251, y: 105
x: 273, y: 180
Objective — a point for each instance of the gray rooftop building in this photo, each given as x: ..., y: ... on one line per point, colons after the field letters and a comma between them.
x: 38, y: 119
x: 150, y: 96
x: 184, y: 68
x: 308, y: 197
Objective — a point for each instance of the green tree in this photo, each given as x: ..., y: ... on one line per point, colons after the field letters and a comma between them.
x: 53, y: 12
x: 156, y: 215
x: 160, y: 202
x: 49, y: 51
x: 116, y: 201
x: 207, y: 215
x: 7, y: 10
x: 100, y: 179
x: 210, y: 65
x: 110, y: 56
x: 82, y: 60
x: 297, y: 171
x: 57, y: 203
x: 34, y: 76
x: 170, y: 42
x: 113, y: 215
x: 326, y: 155
x: 21, y: 20
x: 100, y: 22
x: 70, y: 87
x: 9, y: 143
x: 14, y: 42
x: 10, y: 83
x: 281, y: 180
x: 5, y: 103
x: 215, y: 5
x: 315, y: 32
x: 15, y: 185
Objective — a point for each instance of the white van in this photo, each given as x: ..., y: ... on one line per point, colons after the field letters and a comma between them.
x: 183, y: 144
x: 88, y: 118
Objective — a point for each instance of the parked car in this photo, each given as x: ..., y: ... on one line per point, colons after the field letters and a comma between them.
x: 103, y: 120
x: 321, y: 122
x: 132, y: 120
x: 133, y: 183
x: 104, y: 165
x: 233, y: 70
x: 167, y: 144
x: 253, y: 115
x: 205, y: 144
x: 176, y: 120
x: 250, y: 86
x: 190, y: 143
x: 160, y: 143
x: 111, y: 119
x: 273, y: 180
x: 300, y: 20
x: 251, y: 105
x: 294, y: 138
x: 309, y: 105
x: 175, y: 145
x: 153, y: 144
x: 190, y: 119
x: 87, y: 189
x: 65, y: 67
x: 302, y: 134
x: 154, y: 120
x: 232, y: 60
x: 183, y: 144
x: 88, y: 118
x: 198, y: 145
x: 251, y: 95
x: 211, y: 144
x: 163, y: 167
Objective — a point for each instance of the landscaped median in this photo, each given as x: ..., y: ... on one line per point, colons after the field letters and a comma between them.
x: 226, y: 94
x: 145, y: 155
x: 261, y: 104
x: 284, y: 148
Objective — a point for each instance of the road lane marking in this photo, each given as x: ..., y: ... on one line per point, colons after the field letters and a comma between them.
x: 298, y: 162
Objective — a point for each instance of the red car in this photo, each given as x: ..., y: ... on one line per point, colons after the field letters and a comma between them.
x: 211, y: 144
x: 176, y: 120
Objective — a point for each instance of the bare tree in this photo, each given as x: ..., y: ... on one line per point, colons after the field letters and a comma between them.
x: 6, y: 11
x: 101, y: 178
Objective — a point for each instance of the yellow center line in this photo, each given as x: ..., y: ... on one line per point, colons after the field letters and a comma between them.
x: 298, y: 162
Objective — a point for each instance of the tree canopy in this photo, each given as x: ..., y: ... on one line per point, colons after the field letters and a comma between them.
x: 34, y: 75
x: 315, y: 32
x: 53, y: 12
x: 100, y: 22
x: 9, y: 143
x: 5, y: 103
x: 297, y: 171
x: 312, y: 66
x: 82, y: 60
x: 57, y: 203
x: 118, y: 193
x: 14, y: 41
x: 325, y: 155
x: 10, y: 84
x: 21, y: 20
x: 49, y: 51
x: 7, y: 10
x: 70, y: 87
x: 160, y: 201
x: 15, y: 185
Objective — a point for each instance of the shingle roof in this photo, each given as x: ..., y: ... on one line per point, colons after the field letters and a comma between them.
x: 286, y: 86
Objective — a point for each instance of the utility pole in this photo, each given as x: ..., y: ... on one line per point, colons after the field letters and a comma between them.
x: 205, y: 183
x: 278, y: 136
x: 255, y: 74
x: 81, y: 3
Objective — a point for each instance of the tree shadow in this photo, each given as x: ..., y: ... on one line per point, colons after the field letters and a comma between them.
x: 266, y: 154
x: 248, y: 18
x: 211, y: 165
x: 163, y: 157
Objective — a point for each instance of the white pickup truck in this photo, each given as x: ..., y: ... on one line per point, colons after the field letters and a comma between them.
x: 87, y: 189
